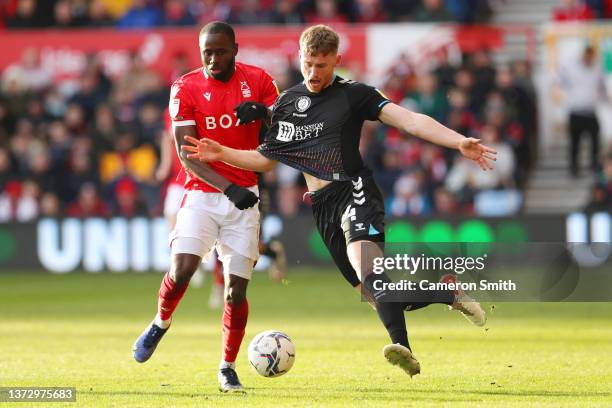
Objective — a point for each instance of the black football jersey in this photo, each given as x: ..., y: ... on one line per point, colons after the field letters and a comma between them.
x: 318, y: 133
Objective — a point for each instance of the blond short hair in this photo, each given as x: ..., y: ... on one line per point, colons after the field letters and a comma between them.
x: 319, y: 39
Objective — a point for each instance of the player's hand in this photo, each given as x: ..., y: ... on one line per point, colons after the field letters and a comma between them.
x: 247, y: 112
x: 482, y: 155
x: 205, y: 150
x: 242, y: 198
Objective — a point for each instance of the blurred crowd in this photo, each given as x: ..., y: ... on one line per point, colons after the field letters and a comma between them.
x: 580, y: 10
x: 495, y: 103
x: 134, y: 14
x: 92, y: 148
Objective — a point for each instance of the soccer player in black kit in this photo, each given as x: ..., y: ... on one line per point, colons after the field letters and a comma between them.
x: 316, y: 128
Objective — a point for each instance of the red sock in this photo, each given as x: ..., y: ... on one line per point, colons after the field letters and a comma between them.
x: 234, y: 323
x: 169, y: 296
x: 218, y: 273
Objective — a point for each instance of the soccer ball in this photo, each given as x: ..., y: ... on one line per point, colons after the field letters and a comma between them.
x: 271, y: 353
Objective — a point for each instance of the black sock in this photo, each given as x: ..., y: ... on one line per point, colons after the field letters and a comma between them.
x: 390, y: 311
x: 426, y: 298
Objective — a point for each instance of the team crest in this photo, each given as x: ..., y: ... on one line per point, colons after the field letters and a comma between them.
x: 246, y: 91
x: 302, y: 103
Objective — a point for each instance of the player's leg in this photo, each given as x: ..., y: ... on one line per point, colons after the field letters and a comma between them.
x: 193, y: 236
x: 173, y: 286
x: 390, y: 309
x: 238, y: 251
x: 235, y: 316
x: 172, y: 205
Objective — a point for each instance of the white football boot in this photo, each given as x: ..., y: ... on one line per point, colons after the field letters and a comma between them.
x: 401, y: 356
x: 468, y: 307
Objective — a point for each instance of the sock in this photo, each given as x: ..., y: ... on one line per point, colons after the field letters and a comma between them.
x: 234, y: 322
x: 169, y: 296
x: 164, y: 324
x: 226, y: 364
x: 218, y: 273
x: 390, y: 311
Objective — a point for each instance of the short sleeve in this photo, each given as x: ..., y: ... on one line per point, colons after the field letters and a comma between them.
x: 180, y: 106
x: 269, y: 90
x: 366, y: 101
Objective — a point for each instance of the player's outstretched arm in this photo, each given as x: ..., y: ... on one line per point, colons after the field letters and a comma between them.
x: 240, y: 196
x: 429, y: 129
x: 207, y: 150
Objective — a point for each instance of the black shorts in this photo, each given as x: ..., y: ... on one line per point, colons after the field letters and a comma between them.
x: 347, y: 211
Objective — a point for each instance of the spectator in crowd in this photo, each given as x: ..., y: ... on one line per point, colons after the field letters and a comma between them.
x: 142, y: 14
x: 432, y: 10
x: 26, y: 16
x: 213, y: 10
x: 599, y: 201
x: 176, y: 13
x: 250, y: 12
x: 401, y: 10
x: 326, y: 12
x: 98, y: 14
x: 88, y: 203
x: 8, y: 170
x: 286, y: 12
x: 427, y: 98
x: 468, y: 184
x: 50, y: 205
x: 65, y: 17
x: 371, y: 11
x: 126, y: 199
x: 583, y: 84
x: 28, y: 74
x: 409, y: 198
x: 572, y: 10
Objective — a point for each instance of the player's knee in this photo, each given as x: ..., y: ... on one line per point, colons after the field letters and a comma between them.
x: 184, y: 267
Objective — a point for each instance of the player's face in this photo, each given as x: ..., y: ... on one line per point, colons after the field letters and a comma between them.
x: 218, y: 55
x: 318, y: 70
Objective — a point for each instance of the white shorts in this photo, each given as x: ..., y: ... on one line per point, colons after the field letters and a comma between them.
x: 215, y: 222
x: 172, y: 203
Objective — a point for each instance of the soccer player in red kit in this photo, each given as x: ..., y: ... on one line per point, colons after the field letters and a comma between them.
x: 226, y: 101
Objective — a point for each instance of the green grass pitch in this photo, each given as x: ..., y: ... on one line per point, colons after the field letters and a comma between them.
x: 78, y: 329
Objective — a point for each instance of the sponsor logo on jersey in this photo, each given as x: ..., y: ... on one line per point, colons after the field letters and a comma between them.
x: 207, y: 95
x: 246, y: 91
x: 302, y: 103
x: 224, y: 121
x: 288, y: 132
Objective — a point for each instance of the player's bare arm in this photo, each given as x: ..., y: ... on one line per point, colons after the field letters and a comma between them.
x: 196, y: 167
x: 165, y: 163
x: 429, y: 129
x: 207, y: 150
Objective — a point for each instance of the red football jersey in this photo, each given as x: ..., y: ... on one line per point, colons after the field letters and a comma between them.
x: 177, y: 175
x: 200, y: 100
